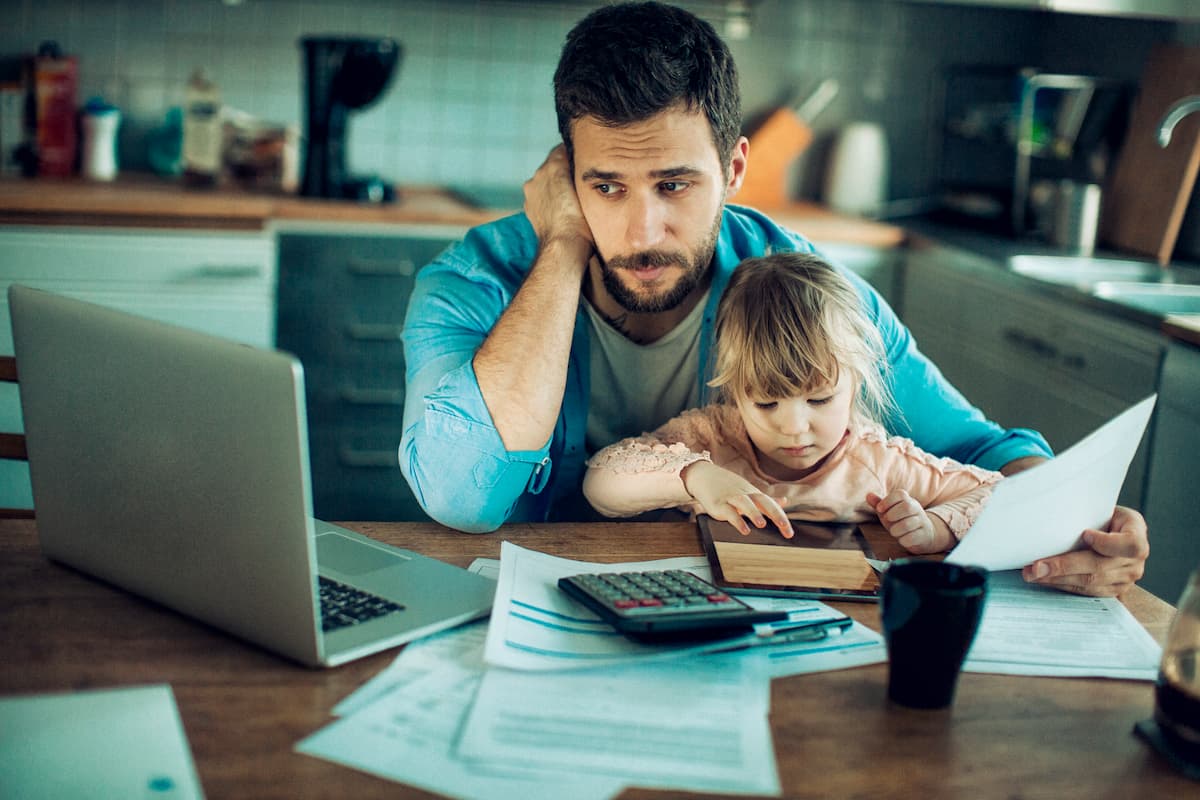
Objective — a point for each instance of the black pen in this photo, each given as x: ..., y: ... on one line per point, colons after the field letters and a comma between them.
x: 782, y: 633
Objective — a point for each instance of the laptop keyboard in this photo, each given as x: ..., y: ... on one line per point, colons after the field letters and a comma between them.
x: 342, y: 605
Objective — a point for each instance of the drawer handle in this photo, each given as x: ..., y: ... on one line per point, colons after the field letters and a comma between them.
x: 353, y: 457
x: 403, y: 267
x: 1033, y: 344
x: 375, y: 331
x: 1074, y: 361
x: 228, y: 271
x: 373, y: 397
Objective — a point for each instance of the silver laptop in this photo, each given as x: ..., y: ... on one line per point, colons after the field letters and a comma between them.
x: 174, y: 464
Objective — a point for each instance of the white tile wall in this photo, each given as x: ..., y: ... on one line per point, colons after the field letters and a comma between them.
x: 471, y: 102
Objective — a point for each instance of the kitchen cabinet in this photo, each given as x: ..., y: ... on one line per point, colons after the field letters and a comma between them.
x: 217, y: 281
x: 342, y: 300
x: 882, y: 267
x: 1024, y: 358
x: 1171, y: 483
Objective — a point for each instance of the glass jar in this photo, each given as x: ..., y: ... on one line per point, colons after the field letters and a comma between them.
x: 1177, y: 691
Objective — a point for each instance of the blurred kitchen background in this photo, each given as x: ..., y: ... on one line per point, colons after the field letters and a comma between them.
x: 471, y: 101
x: 956, y: 155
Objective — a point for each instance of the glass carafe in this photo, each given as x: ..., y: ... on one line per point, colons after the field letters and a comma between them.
x: 1177, y: 692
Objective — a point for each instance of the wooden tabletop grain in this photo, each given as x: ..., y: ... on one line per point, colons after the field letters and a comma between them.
x: 835, y: 734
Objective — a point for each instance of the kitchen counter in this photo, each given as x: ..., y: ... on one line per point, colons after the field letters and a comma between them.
x: 148, y: 201
x: 1183, y: 328
x: 820, y: 224
x: 992, y: 252
x: 156, y: 202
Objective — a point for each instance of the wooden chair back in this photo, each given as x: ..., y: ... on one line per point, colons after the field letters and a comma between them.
x: 12, y: 445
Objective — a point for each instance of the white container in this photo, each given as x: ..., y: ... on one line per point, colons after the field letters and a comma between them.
x: 99, y: 156
x: 202, y: 134
x: 857, y: 173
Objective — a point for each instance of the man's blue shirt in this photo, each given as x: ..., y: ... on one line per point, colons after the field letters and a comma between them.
x: 454, y: 458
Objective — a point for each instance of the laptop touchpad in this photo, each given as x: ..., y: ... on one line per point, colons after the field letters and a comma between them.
x: 353, y: 557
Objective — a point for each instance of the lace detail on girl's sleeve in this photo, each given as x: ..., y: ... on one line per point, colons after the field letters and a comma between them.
x: 634, y: 456
x: 942, y: 465
x: 960, y: 514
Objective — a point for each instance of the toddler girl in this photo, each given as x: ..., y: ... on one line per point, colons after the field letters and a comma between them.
x: 795, y: 427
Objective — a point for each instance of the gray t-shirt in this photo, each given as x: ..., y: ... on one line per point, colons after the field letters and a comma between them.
x: 637, y: 387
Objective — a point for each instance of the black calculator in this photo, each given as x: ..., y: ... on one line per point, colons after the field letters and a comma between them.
x: 665, y: 605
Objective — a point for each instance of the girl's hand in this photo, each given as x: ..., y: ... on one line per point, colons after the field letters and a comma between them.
x: 728, y: 496
x: 907, y: 522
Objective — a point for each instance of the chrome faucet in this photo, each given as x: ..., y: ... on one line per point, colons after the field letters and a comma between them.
x: 1178, y: 111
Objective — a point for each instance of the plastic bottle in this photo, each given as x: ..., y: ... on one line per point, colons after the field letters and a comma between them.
x: 202, y: 133
x: 56, y: 80
x: 99, y: 157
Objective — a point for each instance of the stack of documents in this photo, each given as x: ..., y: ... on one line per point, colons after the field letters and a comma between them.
x: 545, y: 701
x: 535, y: 626
x: 1033, y: 630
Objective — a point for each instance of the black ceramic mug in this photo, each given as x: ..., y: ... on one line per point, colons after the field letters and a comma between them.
x: 930, y: 612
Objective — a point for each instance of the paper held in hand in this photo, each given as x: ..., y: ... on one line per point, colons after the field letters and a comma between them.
x: 1043, y: 511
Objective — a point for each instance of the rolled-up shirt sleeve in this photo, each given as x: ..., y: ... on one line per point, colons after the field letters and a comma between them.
x: 451, y: 453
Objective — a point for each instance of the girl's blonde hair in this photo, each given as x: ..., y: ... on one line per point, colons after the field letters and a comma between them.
x: 787, y: 324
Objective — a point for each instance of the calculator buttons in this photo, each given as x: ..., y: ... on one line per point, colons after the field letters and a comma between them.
x: 662, y: 601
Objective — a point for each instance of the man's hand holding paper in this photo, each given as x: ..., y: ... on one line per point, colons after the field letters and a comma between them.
x: 1115, y: 561
x: 1057, y: 522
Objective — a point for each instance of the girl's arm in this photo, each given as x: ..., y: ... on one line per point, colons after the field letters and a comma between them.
x: 647, y: 473
x: 673, y: 468
x: 960, y: 513
x: 928, y: 530
x: 928, y: 503
x: 639, y: 474
x: 725, y: 495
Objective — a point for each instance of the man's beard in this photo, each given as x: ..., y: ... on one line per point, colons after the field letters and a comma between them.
x: 694, y: 266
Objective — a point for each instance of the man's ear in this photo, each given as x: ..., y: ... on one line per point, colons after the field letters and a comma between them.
x: 737, y: 166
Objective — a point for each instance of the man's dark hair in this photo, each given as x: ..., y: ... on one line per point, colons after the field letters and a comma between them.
x: 625, y: 63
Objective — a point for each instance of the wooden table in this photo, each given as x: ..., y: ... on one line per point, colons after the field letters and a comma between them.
x: 835, y: 734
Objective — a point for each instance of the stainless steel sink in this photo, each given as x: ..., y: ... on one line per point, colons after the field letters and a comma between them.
x: 1085, y: 273
x: 1157, y: 298
x: 1138, y: 284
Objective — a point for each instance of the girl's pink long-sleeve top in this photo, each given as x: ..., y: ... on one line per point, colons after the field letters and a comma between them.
x: 642, y: 473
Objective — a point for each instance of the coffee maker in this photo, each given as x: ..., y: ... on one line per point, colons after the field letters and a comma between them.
x: 342, y: 74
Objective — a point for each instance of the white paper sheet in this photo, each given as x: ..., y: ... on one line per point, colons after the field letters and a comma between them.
x: 697, y: 725
x: 855, y: 647
x: 1043, y: 511
x: 125, y: 742
x: 408, y: 735
x: 461, y: 646
x: 1034, y: 630
x: 437, y: 669
x: 534, y: 625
